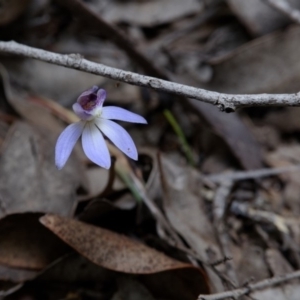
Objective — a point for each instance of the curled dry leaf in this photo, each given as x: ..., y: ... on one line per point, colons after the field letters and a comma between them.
x: 109, y: 249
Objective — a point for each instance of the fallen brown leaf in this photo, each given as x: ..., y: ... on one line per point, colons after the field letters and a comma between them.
x: 109, y: 249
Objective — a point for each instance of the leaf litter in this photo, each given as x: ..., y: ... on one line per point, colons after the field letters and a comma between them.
x: 217, y: 225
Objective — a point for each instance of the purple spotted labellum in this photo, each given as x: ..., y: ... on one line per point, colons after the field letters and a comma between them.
x: 95, y: 120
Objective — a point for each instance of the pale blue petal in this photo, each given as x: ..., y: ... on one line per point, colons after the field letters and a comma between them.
x: 80, y: 112
x: 101, y: 96
x: 66, y: 142
x: 121, y: 114
x: 119, y: 136
x: 94, y: 146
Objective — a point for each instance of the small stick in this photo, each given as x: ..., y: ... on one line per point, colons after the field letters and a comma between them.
x: 244, y: 175
x: 251, y: 287
x: 219, y: 209
x: 226, y: 102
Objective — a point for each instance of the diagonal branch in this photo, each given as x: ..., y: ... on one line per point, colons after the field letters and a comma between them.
x: 226, y: 102
x: 251, y: 287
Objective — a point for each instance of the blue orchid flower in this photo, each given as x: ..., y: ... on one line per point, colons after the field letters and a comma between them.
x: 96, y: 121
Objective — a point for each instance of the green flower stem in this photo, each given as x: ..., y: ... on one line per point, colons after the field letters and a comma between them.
x: 178, y: 131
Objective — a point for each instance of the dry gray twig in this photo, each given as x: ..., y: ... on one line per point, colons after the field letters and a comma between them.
x: 245, y: 175
x: 285, y: 8
x: 226, y: 102
x: 251, y: 287
x: 219, y: 209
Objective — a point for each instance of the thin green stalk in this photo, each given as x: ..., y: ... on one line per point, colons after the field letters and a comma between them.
x: 178, y: 131
x: 130, y: 184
